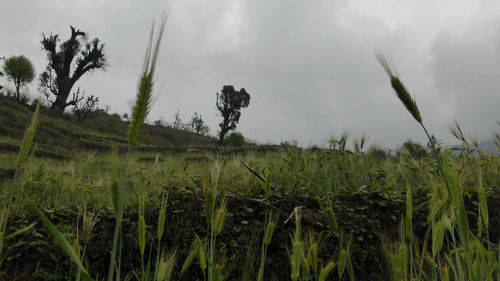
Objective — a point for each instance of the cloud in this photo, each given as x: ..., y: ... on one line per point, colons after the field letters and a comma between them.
x: 308, y: 66
x: 466, y: 72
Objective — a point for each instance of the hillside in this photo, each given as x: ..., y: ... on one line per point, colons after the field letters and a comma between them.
x: 61, y: 136
x: 489, y: 146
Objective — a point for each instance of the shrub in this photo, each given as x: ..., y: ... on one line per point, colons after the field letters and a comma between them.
x: 236, y: 139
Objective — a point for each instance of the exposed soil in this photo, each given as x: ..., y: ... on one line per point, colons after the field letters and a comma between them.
x: 370, y: 217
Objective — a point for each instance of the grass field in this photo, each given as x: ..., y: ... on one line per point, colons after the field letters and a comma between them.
x: 365, y: 192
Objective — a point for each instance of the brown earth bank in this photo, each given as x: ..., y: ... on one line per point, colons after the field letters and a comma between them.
x: 370, y: 217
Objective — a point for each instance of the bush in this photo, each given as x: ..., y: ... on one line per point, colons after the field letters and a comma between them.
x: 415, y: 149
x: 236, y: 139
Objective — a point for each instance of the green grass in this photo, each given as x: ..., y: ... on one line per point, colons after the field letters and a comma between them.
x: 58, y: 185
x: 62, y: 135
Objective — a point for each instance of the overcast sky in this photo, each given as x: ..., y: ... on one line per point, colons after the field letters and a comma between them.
x: 309, y: 66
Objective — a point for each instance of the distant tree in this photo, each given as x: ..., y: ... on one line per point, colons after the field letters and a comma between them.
x: 198, y: 126
x: 85, y: 106
x: 415, y: 149
x: 126, y: 117
x: 1, y: 75
x: 378, y: 152
x: 161, y: 122
x: 177, y: 121
x: 61, y: 74
x: 289, y: 143
x: 20, y: 70
x: 229, y: 103
x: 107, y: 108
x: 236, y: 139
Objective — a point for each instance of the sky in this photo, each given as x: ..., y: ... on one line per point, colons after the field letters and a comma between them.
x: 309, y: 66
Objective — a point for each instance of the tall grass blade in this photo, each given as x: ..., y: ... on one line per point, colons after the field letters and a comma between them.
x: 482, y: 200
x: 29, y: 135
x: 19, y: 232
x: 59, y: 237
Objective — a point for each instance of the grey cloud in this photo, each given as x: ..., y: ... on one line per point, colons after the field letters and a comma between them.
x: 309, y: 66
x: 466, y: 70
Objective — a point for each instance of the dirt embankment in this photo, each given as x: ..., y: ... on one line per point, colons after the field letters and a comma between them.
x: 370, y: 217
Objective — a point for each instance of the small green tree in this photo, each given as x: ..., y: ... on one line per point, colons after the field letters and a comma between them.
x: 229, y: 103
x: 85, y: 106
x: 415, y: 149
x: 236, y: 139
x: 198, y: 125
x: 178, y: 124
x: 20, y: 70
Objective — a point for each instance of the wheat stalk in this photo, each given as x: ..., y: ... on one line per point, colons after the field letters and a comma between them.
x: 140, y: 111
x: 28, y: 137
x: 144, y: 96
x: 400, y: 89
x: 325, y: 271
x: 166, y: 266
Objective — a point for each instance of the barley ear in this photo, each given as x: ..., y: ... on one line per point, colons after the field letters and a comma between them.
x: 312, y: 255
x: 325, y: 271
x: 189, y: 260
x: 438, y: 231
x: 270, y: 226
x: 295, y: 260
x: 482, y: 200
x: 220, y: 216
x: 342, y: 263
x: 400, y: 88
x: 115, y: 196
x: 143, y: 101
x: 142, y: 233
x: 166, y: 266
x: 202, y: 258
x: 332, y: 220
x: 296, y: 257
x: 162, y: 216
x: 29, y: 135
x: 195, y: 246
x: 409, y: 212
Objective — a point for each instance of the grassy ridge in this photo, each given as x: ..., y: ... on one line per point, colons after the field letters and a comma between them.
x: 59, y: 137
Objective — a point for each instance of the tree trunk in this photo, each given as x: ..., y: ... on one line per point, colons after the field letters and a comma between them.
x: 60, y: 104
x: 18, y: 95
x: 221, y: 139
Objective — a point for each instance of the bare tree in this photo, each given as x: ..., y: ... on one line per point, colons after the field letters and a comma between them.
x: 83, y: 106
x: 61, y: 73
x: 198, y: 126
